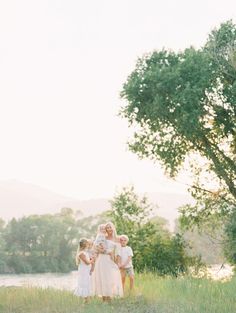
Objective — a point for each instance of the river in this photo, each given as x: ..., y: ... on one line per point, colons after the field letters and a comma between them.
x: 45, y: 280
x: 68, y: 281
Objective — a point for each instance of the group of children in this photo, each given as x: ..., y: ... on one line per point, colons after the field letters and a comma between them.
x: 87, y: 254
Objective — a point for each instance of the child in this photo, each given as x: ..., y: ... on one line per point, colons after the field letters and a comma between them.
x: 84, y: 288
x: 100, y: 243
x: 126, y: 266
x: 101, y: 235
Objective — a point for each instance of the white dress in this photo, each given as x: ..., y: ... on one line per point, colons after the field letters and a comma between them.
x: 84, y: 283
x: 106, y: 276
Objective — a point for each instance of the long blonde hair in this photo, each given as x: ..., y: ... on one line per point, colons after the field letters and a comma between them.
x: 82, y: 245
x: 114, y: 233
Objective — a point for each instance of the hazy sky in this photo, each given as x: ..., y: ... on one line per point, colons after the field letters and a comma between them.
x: 62, y: 66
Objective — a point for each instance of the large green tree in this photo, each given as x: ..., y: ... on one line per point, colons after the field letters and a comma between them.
x: 183, y: 109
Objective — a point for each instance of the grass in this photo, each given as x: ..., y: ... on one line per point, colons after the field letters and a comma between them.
x: 152, y: 294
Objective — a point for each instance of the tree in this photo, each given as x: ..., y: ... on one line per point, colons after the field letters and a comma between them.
x: 154, y: 247
x: 230, y: 246
x: 3, y: 259
x: 129, y: 211
x: 41, y: 243
x: 131, y: 217
x: 44, y: 243
x: 183, y: 108
x: 207, y: 240
x: 87, y: 227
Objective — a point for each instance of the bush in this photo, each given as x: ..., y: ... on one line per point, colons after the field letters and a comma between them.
x: 155, y: 248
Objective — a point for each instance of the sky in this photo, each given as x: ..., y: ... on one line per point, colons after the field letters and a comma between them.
x: 62, y: 67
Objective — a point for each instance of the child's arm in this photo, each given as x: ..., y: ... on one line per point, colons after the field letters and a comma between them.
x: 118, y: 260
x: 118, y: 254
x: 101, y: 248
x: 112, y: 254
x: 92, y: 267
x: 83, y: 257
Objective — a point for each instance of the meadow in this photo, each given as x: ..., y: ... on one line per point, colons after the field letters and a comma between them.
x: 151, y: 294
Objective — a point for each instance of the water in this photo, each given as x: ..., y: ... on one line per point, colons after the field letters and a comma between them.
x: 68, y: 281
x: 220, y: 272
x: 46, y: 280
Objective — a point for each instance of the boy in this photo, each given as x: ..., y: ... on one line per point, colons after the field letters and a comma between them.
x: 126, y: 266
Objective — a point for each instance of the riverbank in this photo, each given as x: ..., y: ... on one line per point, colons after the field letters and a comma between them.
x: 152, y: 294
x: 67, y: 281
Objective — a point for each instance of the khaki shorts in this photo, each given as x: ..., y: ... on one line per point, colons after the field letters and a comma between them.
x: 128, y: 271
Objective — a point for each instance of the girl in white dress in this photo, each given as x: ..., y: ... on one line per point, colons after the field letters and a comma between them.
x: 106, y: 277
x: 84, y: 283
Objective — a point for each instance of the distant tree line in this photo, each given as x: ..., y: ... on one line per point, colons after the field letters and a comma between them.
x: 42, y: 243
x: 48, y: 243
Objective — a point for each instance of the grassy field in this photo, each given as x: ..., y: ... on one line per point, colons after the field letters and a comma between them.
x: 152, y: 294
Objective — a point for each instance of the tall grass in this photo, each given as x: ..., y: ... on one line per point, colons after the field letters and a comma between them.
x: 152, y: 294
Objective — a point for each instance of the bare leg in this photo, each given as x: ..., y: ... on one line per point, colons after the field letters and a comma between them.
x: 123, y: 277
x: 131, y: 282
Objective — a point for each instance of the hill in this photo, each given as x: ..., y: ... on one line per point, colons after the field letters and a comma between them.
x: 19, y: 199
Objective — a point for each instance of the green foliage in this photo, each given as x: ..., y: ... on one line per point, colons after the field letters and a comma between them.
x: 205, y: 240
x: 230, y: 246
x: 183, y: 107
x: 204, y: 226
x: 47, y: 243
x: 40, y: 243
x: 154, y: 247
x: 152, y: 294
x: 3, y: 258
x: 44, y: 243
x: 88, y: 226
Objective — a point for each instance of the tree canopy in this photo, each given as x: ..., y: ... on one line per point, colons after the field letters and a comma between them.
x: 183, y: 109
x: 155, y: 248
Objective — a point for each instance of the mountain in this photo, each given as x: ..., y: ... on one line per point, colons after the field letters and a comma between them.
x: 19, y: 199
x: 168, y: 204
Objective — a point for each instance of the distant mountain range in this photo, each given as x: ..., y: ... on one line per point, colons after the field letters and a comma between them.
x: 19, y: 199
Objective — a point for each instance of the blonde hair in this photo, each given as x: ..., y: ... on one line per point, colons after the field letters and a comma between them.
x: 82, y: 245
x: 100, y: 226
x: 113, y: 229
x: 90, y: 243
x: 125, y: 237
